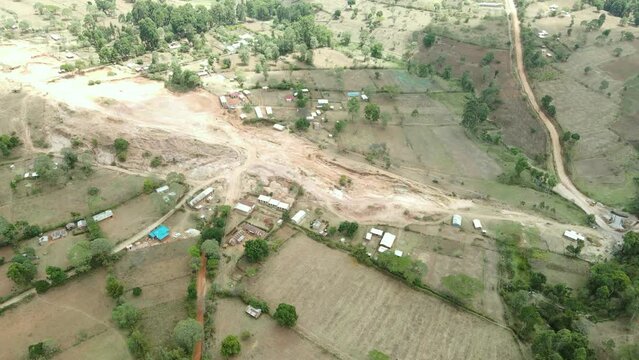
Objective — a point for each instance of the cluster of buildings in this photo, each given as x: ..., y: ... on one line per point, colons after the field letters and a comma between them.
x: 80, y: 225
x: 274, y: 203
x: 245, y: 40
x: 386, y: 241
x: 234, y: 99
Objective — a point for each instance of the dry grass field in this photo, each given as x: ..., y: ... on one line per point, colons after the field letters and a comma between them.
x: 603, y: 162
x: 77, y: 316
x: 46, y: 205
x: 268, y: 340
x: 163, y: 274
x: 355, y: 309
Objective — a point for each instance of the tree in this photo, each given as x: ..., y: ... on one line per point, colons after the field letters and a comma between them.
x: 121, y: 148
x: 285, y: 315
x: 126, y: 315
x: 56, y: 275
x: 114, y: 287
x: 149, y: 34
x: 46, y: 169
x: 564, y: 344
x: 466, y: 82
x: 587, y: 70
x: 377, y: 355
x: 348, y: 228
x: 617, y: 52
x: 256, y: 250
x: 138, y: 345
x: 41, y: 286
x: 376, y: 50
x: 226, y: 63
x: 43, y: 350
x: 183, y: 80
x: 80, y: 255
x: 101, y: 251
x: 488, y: 58
x: 337, y: 14
x: 350, y: 3
x: 353, y: 106
x: 429, y: 39
x: 69, y: 157
x: 604, y: 85
x: 475, y: 112
x: 22, y: 270
x: 302, y: 124
x: 372, y: 112
x: 244, y: 55
x: 106, y: 6
x: 186, y: 333
x: 230, y: 346
x: 211, y: 249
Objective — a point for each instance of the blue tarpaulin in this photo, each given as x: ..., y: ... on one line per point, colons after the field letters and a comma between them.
x: 353, y: 93
x: 160, y: 233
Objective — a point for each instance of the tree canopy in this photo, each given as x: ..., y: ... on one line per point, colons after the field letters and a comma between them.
x: 186, y: 333
x: 126, y: 315
x: 256, y: 250
x: 230, y: 346
x: 285, y: 315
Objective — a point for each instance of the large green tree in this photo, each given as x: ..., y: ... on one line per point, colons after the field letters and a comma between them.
x: 285, y: 315
x: 256, y: 250
x: 186, y: 333
x: 230, y: 346
x: 126, y: 315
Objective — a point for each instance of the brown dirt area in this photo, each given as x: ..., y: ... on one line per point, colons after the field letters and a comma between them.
x: 355, y: 309
x: 75, y: 323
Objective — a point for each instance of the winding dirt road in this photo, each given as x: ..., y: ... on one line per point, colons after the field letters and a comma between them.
x: 565, y: 186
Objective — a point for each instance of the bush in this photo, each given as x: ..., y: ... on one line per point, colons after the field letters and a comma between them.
x: 285, y: 315
x: 126, y: 316
x: 41, y: 286
x: 56, y: 275
x: 256, y: 250
x: 186, y: 333
x: 138, y: 345
x: 245, y: 335
x: 93, y: 191
x: 230, y: 346
x: 156, y: 161
x: 114, y: 287
x: 137, y: 291
x: 348, y: 228
x: 302, y: 124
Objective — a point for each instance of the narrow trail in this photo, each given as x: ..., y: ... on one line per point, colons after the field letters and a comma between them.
x: 565, y: 187
x: 201, y: 300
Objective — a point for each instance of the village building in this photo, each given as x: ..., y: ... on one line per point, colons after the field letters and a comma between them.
x: 477, y: 224
x: 573, y: 235
x: 387, y: 240
x: 103, y: 216
x: 160, y: 233
x: 279, y: 127
x: 457, y: 220
x: 298, y: 217
x: 199, y: 197
x: 377, y: 232
x: 162, y: 189
x: 244, y: 208
x: 254, y: 312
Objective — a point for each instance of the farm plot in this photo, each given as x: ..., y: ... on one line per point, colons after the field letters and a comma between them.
x: 268, y: 340
x: 355, y: 309
x: 512, y: 115
x: 163, y: 274
x: 561, y: 269
x: 77, y: 316
x: 46, y: 205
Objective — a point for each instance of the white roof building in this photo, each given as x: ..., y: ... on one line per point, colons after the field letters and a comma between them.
x: 264, y: 198
x: 279, y: 127
x: 103, y: 215
x: 457, y: 220
x: 258, y: 112
x: 573, y: 235
x: 246, y: 209
x: 322, y: 101
x: 387, y: 240
x: 55, y: 37
x: 377, y: 232
x: 298, y: 217
x: 399, y: 253
x: 476, y: 224
x: 274, y: 202
x: 199, y: 197
x: 368, y: 236
x: 283, y: 206
x: 364, y: 97
x: 381, y: 249
x: 269, y: 110
x: 162, y: 189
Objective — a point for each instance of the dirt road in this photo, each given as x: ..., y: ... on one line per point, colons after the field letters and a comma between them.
x: 201, y: 300
x: 565, y: 187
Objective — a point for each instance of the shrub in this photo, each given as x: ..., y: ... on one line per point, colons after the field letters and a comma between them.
x: 126, y: 316
x: 256, y: 250
x: 137, y: 291
x: 285, y: 315
x: 41, y: 286
x: 230, y: 346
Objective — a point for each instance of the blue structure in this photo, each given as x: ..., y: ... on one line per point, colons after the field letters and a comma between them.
x: 353, y: 94
x: 160, y: 233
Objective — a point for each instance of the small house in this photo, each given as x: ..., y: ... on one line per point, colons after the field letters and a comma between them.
x: 264, y: 199
x: 382, y: 249
x: 368, y: 236
x: 70, y: 226
x: 103, y: 216
x: 364, y: 97
x: 283, y: 206
x: 273, y: 202
x: 477, y: 224
x: 387, y: 240
x: 160, y: 233
x: 199, y: 197
x: 399, y: 253
x: 243, y: 116
x: 224, y: 102
x: 258, y: 112
x: 279, y: 127
x: 377, y: 232
x: 322, y: 102
x: 269, y: 111
x: 55, y: 37
x: 81, y: 224
x: 244, y: 208
x: 573, y: 235
x: 254, y: 312
x: 162, y: 189
x: 43, y: 240
x: 457, y: 220
x: 298, y: 217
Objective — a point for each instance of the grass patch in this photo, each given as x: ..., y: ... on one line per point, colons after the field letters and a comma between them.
x: 462, y: 286
x: 454, y: 101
